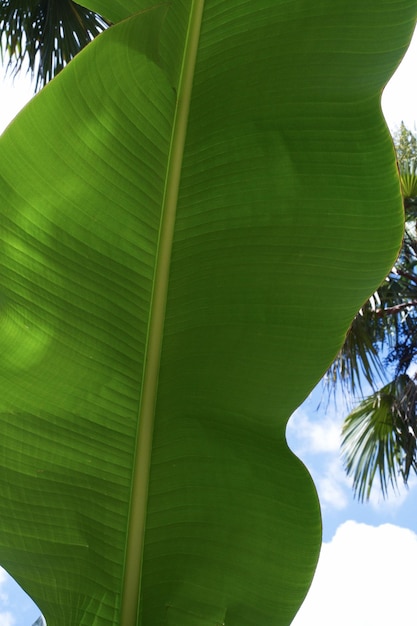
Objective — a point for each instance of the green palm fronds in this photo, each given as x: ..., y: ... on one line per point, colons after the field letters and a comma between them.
x: 379, y: 437
x: 46, y: 34
x: 409, y: 184
x: 359, y: 360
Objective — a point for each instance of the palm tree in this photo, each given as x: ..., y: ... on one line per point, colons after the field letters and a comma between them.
x: 45, y: 33
x: 379, y: 437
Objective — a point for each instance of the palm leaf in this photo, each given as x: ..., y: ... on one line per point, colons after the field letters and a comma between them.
x: 409, y: 184
x: 188, y: 227
x: 379, y: 437
x: 46, y: 34
x: 359, y: 360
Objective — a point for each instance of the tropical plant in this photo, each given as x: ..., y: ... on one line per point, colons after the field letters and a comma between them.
x: 192, y: 212
x: 379, y: 437
x: 379, y: 434
x: 405, y: 143
x: 46, y: 34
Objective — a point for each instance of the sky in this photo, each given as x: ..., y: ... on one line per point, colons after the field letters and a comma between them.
x: 365, y: 575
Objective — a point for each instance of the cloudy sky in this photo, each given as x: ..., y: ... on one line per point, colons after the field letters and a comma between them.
x: 368, y: 549
x: 366, y: 572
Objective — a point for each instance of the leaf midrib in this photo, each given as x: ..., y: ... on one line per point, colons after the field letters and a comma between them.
x: 146, y: 417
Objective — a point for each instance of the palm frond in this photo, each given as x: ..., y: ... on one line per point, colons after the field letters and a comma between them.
x: 359, y: 358
x: 379, y: 437
x: 408, y: 180
x: 45, y: 33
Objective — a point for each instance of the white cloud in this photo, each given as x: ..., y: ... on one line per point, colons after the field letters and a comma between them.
x: 15, y: 94
x: 314, y: 436
x: 400, y: 95
x: 365, y: 577
x: 7, y: 619
x: 333, y: 486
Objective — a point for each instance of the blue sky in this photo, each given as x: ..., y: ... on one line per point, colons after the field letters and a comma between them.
x: 366, y: 572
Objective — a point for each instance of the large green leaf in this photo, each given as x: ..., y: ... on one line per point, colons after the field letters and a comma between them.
x: 191, y: 214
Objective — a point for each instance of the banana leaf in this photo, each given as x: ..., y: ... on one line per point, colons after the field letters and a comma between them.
x: 191, y: 214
